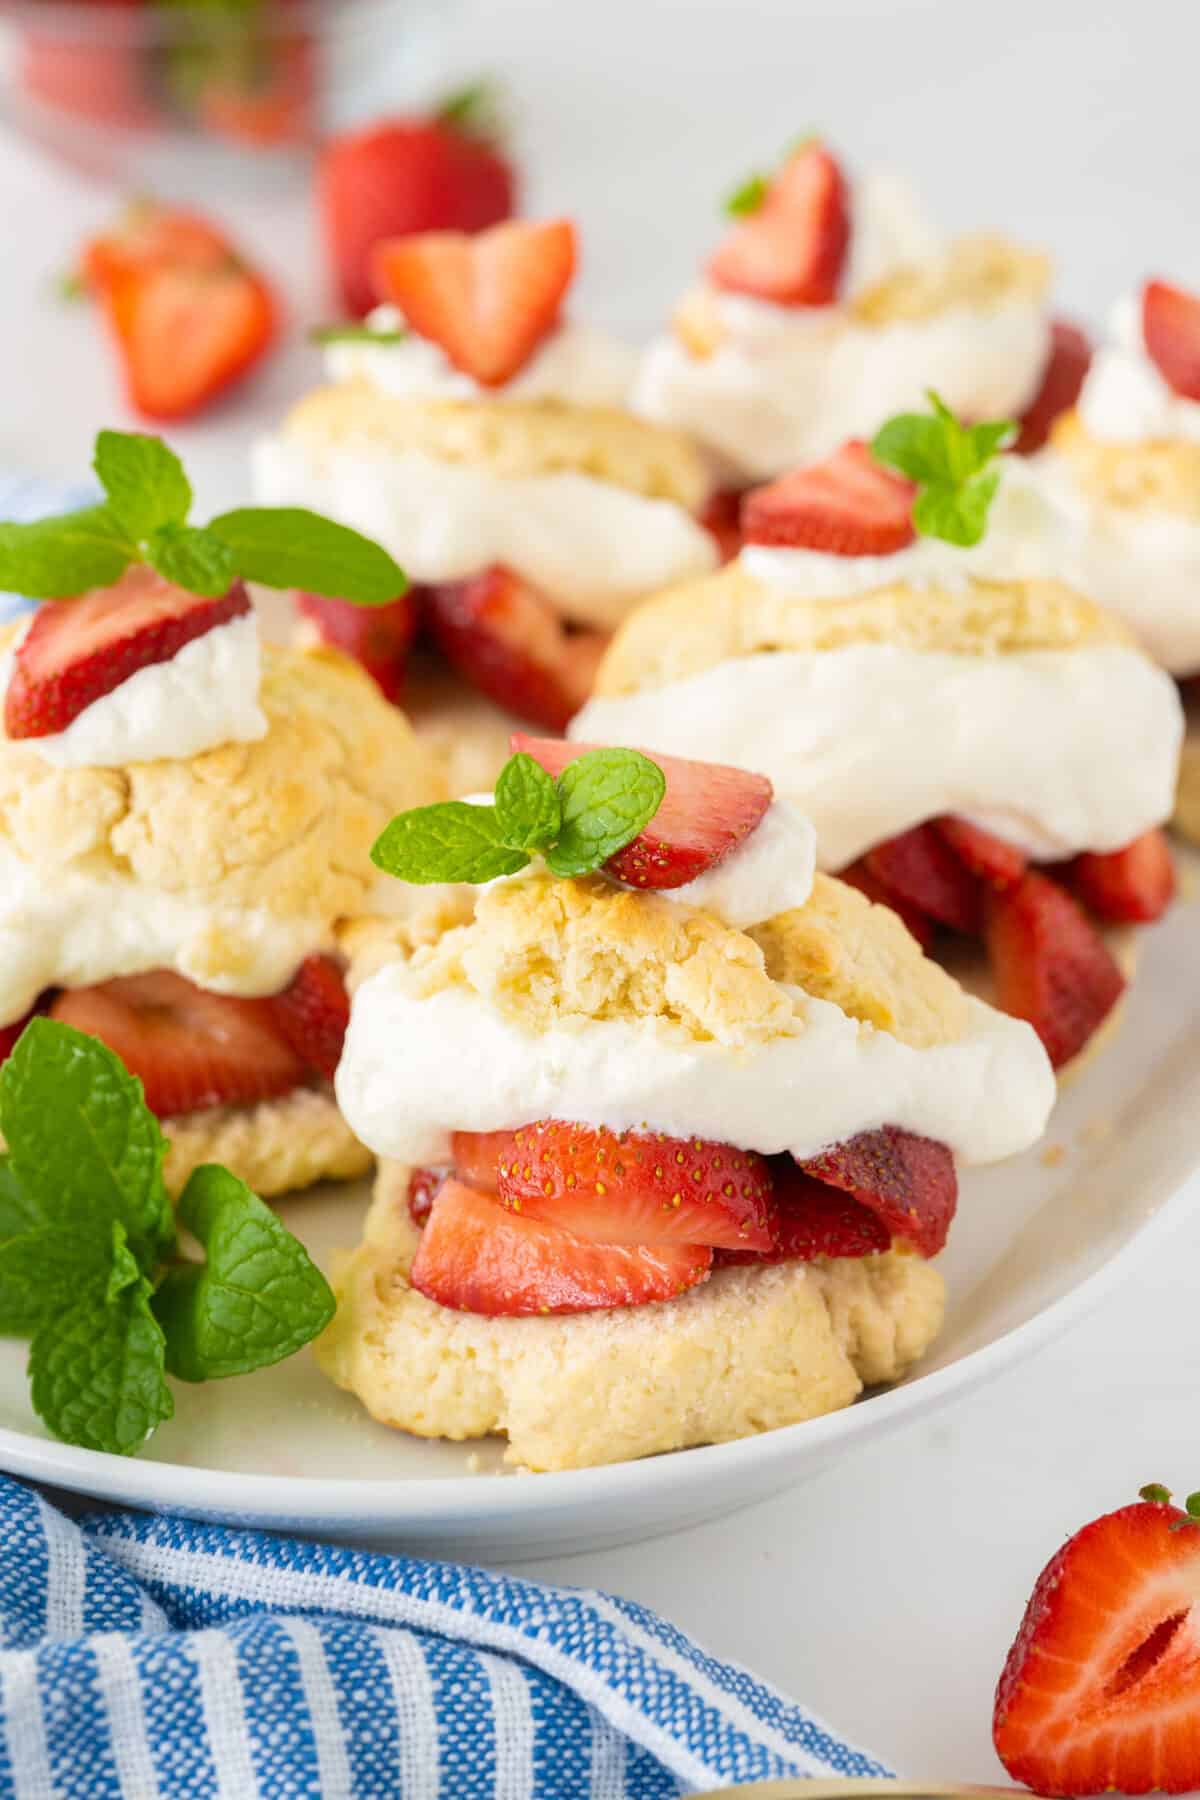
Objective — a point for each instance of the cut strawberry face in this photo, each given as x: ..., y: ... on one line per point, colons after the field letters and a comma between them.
x: 921, y: 868
x: 488, y: 300
x: 1051, y: 965
x: 999, y: 864
x: 1101, y: 1690
x: 908, y: 1182
x: 187, y: 333
x: 1133, y: 886
x: 313, y: 1012
x: 848, y: 505
x: 190, y: 1048
x: 814, y: 1220
x: 76, y: 651
x: 792, y: 248
x: 858, y: 875
x: 151, y: 236
x: 706, y: 812
x: 1171, y: 332
x: 626, y: 1187
x: 477, y: 1256
x: 377, y: 637
x: 508, y: 641
x: 1062, y: 379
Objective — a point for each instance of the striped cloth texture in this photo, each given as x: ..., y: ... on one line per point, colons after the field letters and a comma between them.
x: 145, y: 1656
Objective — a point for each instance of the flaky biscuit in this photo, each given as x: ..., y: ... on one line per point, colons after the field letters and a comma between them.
x: 1187, y: 798
x: 510, y: 438
x: 1158, y: 475
x: 981, y: 272
x: 274, y: 1147
x: 749, y: 1351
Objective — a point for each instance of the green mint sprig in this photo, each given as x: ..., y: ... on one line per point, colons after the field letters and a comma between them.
x: 90, y: 1268
x: 144, y: 518
x: 358, y: 332
x: 951, y: 463
x: 599, y: 803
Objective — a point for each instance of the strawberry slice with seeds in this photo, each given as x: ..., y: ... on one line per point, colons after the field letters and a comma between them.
x: 908, y: 1182
x: 1001, y: 865
x: 507, y: 640
x: 922, y: 869
x: 424, y: 1186
x: 76, y: 651
x: 706, y: 812
x: 313, y: 1012
x: 920, y: 925
x: 792, y: 248
x: 1050, y: 964
x: 813, y: 1219
x: 1101, y: 1689
x: 188, y: 332
x: 847, y: 505
x: 1062, y: 379
x: 487, y: 300
x: 478, y: 1256
x: 377, y: 637
x: 190, y: 1048
x: 1171, y: 332
x: 1133, y: 886
x: 149, y: 235
x: 627, y: 1187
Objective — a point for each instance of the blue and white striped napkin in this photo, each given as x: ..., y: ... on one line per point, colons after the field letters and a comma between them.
x: 144, y: 1656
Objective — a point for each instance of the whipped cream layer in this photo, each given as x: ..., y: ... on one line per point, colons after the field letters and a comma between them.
x: 576, y: 365
x: 593, y: 546
x: 1057, y: 751
x: 416, y: 1069
x: 1124, y: 398
x: 770, y: 872
x: 206, y: 695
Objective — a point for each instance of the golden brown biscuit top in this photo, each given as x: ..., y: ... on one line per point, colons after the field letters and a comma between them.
x: 982, y: 272
x: 1159, y: 475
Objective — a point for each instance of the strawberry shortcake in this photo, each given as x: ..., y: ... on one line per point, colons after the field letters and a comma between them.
x: 829, y: 305
x: 977, y: 743
x: 670, y: 1122
x: 485, y: 438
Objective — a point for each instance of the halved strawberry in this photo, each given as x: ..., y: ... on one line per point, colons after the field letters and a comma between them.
x: 626, y: 1187
x: 313, y: 1012
x: 187, y: 333
x: 1133, y: 886
x: 847, y: 505
x: 791, y: 249
x: 477, y: 1256
x: 377, y: 637
x: 75, y: 651
x: 1062, y: 378
x: 908, y: 1182
x: 813, y: 1219
x: 507, y: 640
x: 190, y: 1048
x: 921, y: 868
x: 1051, y: 965
x: 1171, y: 332
x: 1101, y: 1689
x: 721, y: 518
x: 859, y: 876
x: 1001, y: 865
x: 487, y: 301
x: 424, y: 1186
x: 149, y: 235
x: 706, y: 812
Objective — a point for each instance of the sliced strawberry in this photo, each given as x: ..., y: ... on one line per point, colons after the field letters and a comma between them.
x: 706, y: 812
x: 75, y: 651
x: 1133, y: 886
x: 186, y: 333
x: 1171, y: 331
x: 477, y: 1256
x: 424, y: 1186
x: 1001, y: 865
x: 377, y: 637
x: 1062, y: 378
x: 625, y: 1187
x: 848, y: 505
x: 507, y: 640
x: 921, y: 868
x: 149, y: 235
x: 1051, y: 965
x: 487, y: 301
x: 791, y: 249
x: 813, y: 1219
x: 313, y: 1012
x: 721, y: 518
x: 859, y: 876
x: 1101, y: 1690
x: 189, y: 1047
x: 909, y: 1182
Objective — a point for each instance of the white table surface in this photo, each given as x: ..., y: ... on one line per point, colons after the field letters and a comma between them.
x: 884, y: 1592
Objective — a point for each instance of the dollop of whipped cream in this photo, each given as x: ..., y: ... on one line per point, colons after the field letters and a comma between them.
x: 207, y: 694
x: 1124, y: 398
x: 575, y: 364
x: 1056, y: 751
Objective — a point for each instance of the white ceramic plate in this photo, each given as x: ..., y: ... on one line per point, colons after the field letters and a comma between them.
x: 1035, y: 1242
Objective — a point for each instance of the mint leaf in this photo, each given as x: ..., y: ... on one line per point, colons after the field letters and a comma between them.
x: 193, y: 558
x: 144, y: 481
x: 82, y: 1144
x: 96, y: 1370
x: 450, y: 841
x: 57, y: 558
x: 958, y: 515
x: 988, y: 438
x: 950, y: 462
x: 257, y: 1298
x: 358, y: 333
x: 607, y: 797
x: 528, y: 811
x: 289, y: 547
x: 748, y: 197
x: 46, y: 1271
x: 18, y: 1213
x: 915, y: 444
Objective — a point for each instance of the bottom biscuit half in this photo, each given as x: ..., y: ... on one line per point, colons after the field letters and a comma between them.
x: 273, y: 1147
